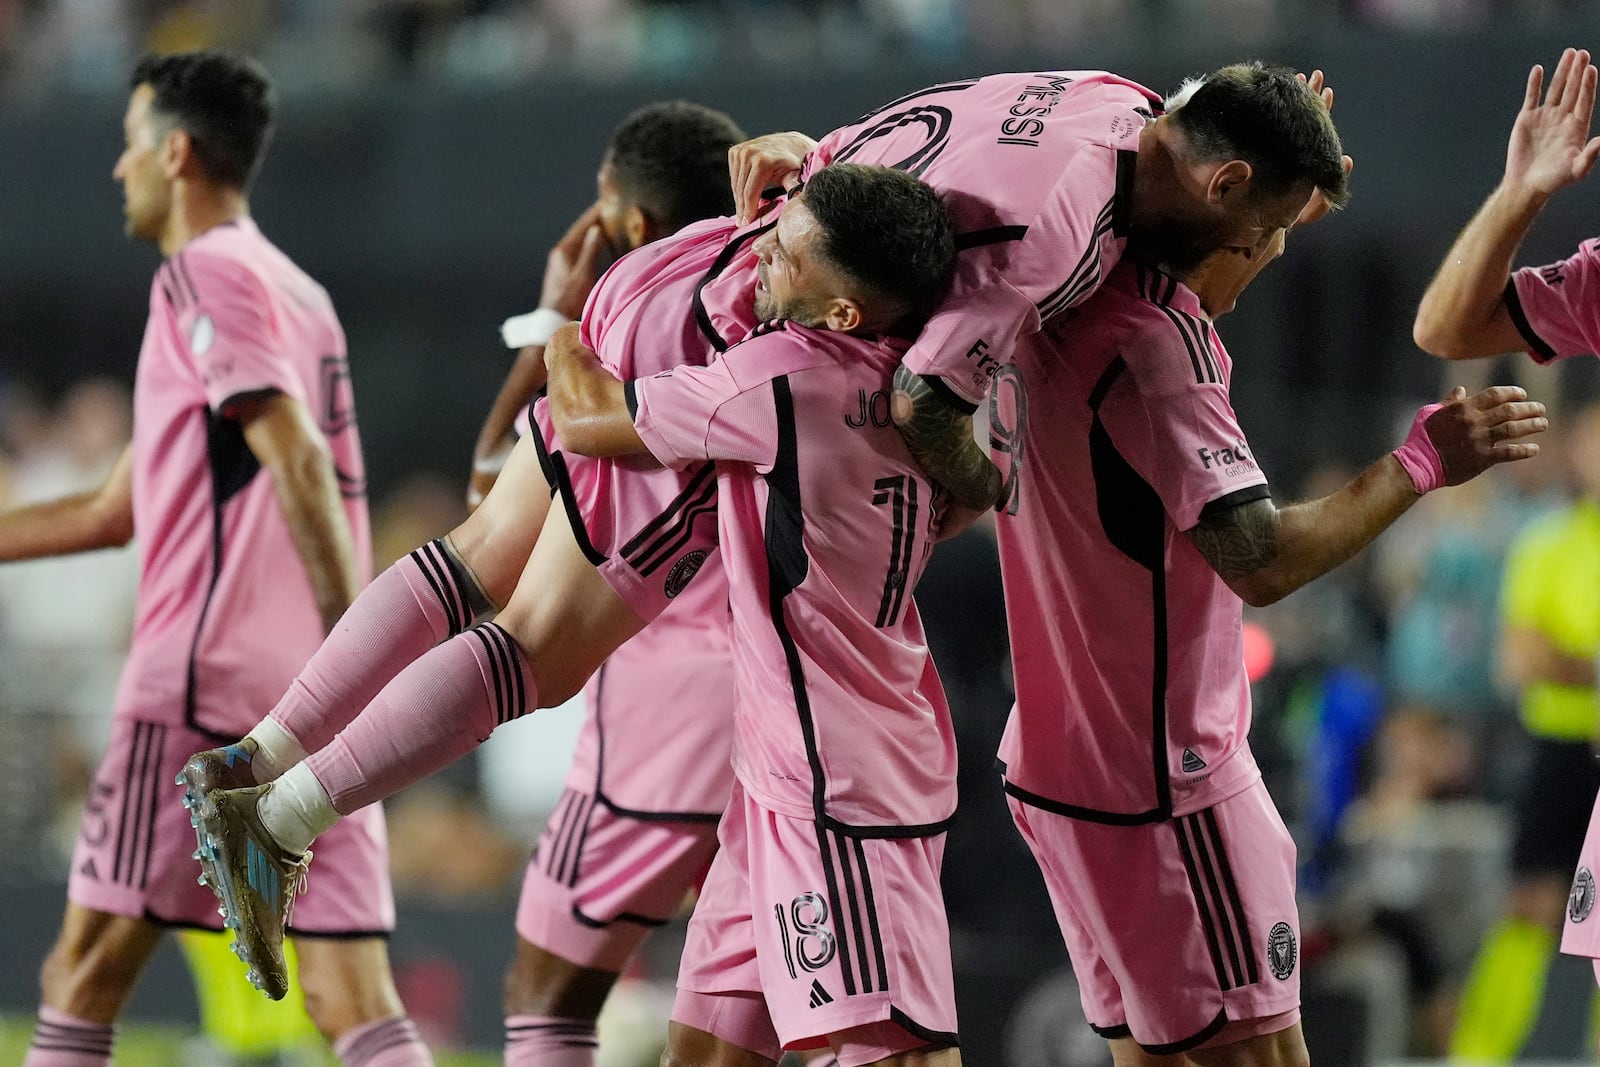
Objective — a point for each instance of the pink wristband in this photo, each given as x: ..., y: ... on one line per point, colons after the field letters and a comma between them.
x: 1418, y: 456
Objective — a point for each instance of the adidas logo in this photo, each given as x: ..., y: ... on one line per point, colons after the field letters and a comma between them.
x: 819, y: 996
x: 1192, y: 762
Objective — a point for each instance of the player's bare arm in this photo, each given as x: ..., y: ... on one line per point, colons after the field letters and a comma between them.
x: 1265, y: 552
x: 939, y: 436
x: 283, y: 436
x: 760, y: 163
x: 588, y: 405
x: 1463, y: 314
x: 99, y: 518
x: 570, y: 271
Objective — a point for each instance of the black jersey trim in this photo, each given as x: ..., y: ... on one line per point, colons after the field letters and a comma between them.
x: 232, y: 467
x: 941, y: 1038
x: 1211, y: 1030
x: 1085, y: 274
x: 1238, y: 498
x: 699, y: 817
x: 625, y: 917
x: 867, y: 833
x: 1540, y: 350
x: 1122, y: 196
x: 993, y: 235
x: 941, y: 388
x: 702, y: 317
x: 1103, y: 384
x: 1083, y: 814
x: 560, y: 481
x: 630, y: 396
x: 292, y: 931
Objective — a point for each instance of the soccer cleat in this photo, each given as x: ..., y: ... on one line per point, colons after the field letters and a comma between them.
x: 217, y: 768
x: 255, y: 880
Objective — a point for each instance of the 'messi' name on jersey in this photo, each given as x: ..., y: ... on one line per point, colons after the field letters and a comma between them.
x: 1033, y: 106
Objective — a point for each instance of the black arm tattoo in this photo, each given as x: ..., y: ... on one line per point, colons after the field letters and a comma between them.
x: 939, y: 437
x: 1238, y: 541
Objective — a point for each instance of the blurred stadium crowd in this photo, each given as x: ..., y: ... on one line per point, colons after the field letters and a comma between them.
x: 312, y: 44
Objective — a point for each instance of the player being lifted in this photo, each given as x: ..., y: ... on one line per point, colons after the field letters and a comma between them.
x: 244, y: 485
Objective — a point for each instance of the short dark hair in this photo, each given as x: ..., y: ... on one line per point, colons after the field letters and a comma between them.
x: 888, y: 232
x: 225, y: 103
x: 671, y: 159
x: 1272, y: 120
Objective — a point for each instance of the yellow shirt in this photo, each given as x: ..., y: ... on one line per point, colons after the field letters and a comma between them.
x: 1552, y: 585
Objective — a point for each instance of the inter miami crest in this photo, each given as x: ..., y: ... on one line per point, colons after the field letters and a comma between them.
x: 1282, y: 953
x: 1581, y: 901
x: 683, y: 572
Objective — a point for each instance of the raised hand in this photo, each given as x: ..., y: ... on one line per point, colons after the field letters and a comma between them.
x: 1473, y: 433
x: 1319, y: 205
x: 1550, y: 145
x: 573, y: 265
x: 762, y: 162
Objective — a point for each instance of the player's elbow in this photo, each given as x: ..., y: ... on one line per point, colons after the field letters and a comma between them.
x: 113, y: 527
x: 1440, y: 334
x: 1261, y: 588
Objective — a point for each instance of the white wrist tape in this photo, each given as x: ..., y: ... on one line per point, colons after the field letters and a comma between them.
x: 534, y: 328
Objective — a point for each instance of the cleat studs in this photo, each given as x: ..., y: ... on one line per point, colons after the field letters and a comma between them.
x: 201, y: 880
x: 178, y: 780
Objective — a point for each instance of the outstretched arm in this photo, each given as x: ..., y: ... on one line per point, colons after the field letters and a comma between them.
x: 100, y: 518
x: 1463, y: 314
x: 588, y: 405
x: 1265, y: 552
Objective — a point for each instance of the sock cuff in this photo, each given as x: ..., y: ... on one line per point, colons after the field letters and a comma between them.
x: 505, y: 672
x: 366, y: 1042
x: 58, y: 1031
x: 449, y: 586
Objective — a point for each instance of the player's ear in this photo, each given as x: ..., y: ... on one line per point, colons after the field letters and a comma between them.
x: 844, y: 315
x: 638, y: 227
x: 177, y: 152
x: 1229, y: 178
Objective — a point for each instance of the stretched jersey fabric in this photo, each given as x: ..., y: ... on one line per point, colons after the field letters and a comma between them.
x: 1038, y: 172
x: 226, y: 616
x: 1132, y: 702
x: 1557, y: 307
x: 825, y: 526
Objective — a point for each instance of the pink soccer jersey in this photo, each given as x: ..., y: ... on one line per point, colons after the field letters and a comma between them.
x: 1132, y: 702
x: 1557, y: 307
x: 1037, y: 170
x: 825, y: 524
x: 226, y: 615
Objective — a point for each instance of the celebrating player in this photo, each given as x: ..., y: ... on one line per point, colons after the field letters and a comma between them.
x: 245, y: 486
x: 1050, y: 176
x: 1477, y: 305
x: 1136, y: 520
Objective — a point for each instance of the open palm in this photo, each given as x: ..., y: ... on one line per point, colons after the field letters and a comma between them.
x: 1550, y: 145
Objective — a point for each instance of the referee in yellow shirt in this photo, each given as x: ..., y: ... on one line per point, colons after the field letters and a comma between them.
x: 1550, y: 606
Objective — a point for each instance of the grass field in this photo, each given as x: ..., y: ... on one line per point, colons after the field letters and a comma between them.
x: 161, y: 1046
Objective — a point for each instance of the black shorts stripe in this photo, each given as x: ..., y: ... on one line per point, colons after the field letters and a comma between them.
x: 1226, y: 932
x: 663, y: 535
x: 571, y: 853
x: 1180, y: 828
x: 561, y: 849
x: 869, y: 901
x: 125, y: 821
x: 155, y: 781
x: 1235, y: 902
x: 425, y: 564
x: 545, y: 851
x: 855, y: 927
x: 846, y: 967
x: 139, y: 801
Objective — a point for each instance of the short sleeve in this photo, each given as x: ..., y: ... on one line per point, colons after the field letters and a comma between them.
x: 1183, y: 435
x: 1556, y: 308
x: 1005, y: 288
x: 231, y: 329
x: 692, y: 414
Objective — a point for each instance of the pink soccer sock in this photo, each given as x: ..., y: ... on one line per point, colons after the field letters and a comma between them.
x: 547, y: 1041
x: 385, y: 1043
x: 436, y: 710
x: 62, y: 1040
x: 421, y: 600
